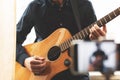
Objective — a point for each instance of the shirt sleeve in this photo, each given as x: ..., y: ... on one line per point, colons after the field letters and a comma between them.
x: 24, y: 26
x: 87, y: 13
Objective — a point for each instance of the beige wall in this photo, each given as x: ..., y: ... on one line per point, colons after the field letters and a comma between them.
x: 7, y: 39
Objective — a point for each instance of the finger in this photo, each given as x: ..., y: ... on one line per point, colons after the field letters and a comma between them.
x: 36, y: 73
x: 39, y: 69
x: 101, y: 32
x: 39, y: 72
x: 91, y: 37
x: 38, y: 66
x: 39, y: 58
x: 95, y: 32
x: 36, y: 62
x: 104, y: 28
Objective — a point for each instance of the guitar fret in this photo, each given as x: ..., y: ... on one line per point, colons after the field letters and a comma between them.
x: 101, y: 22
x: 109, y: 17
x: 64, y: 45
x: 77, y: 36
x: 74, y: 38
x: 80, y: 35
x: 83, y: 34
x: 92, y: 25
x: 67, y: 45
x: 88, y: 30
x: 105, y: 20
x: 69, y: 42
x: 61, y: 47
x: 71, y: 38
x: 89, y: 27
x: 119, y: 9
x: 85, y: 31
x: 114, y: 13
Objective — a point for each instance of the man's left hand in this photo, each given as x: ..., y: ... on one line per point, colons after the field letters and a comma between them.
x: 96, y: 32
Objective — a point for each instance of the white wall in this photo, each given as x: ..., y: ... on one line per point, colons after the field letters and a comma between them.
x: 7, y: 39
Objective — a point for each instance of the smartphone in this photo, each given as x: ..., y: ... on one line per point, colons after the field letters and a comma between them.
x: 93, y: 56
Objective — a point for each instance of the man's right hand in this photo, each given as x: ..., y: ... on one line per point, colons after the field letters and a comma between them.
x: 35, y: 64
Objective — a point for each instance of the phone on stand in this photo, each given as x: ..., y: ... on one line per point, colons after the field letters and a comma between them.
x: 93, y: 56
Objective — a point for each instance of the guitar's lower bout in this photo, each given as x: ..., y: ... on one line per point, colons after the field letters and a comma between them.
x: 46, y: 48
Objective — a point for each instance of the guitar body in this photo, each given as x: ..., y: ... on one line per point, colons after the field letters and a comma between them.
x: 41, y: 49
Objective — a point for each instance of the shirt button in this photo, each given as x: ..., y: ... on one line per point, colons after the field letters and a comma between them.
x: 61, y: 24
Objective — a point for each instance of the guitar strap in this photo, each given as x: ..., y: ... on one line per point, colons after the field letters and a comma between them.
x: 75, y: 9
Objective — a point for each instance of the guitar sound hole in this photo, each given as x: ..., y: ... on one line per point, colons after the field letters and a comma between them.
x: 54, y: 53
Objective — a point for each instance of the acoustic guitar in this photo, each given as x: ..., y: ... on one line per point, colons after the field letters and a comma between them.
x: 55, y: 49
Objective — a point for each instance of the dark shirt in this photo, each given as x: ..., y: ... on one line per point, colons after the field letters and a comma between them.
x: 46, y: 17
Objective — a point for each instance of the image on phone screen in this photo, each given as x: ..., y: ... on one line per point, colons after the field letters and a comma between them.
x: 94, y: 56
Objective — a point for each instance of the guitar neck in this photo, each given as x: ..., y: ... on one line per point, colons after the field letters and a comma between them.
x: 85, y: 32
x: 108, y: 17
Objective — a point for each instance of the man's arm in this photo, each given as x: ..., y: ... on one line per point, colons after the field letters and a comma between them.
x: 96, y: 32
x: 24, y: 26
x: 35, y: 64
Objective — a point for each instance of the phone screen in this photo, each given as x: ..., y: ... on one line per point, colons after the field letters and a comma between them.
x: 93, y: 56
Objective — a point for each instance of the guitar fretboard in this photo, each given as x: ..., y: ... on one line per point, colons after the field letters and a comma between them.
x: 85, y: 32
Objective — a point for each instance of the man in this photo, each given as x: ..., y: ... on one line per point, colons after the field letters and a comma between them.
x: 97, y: 61
x: 46, y: 16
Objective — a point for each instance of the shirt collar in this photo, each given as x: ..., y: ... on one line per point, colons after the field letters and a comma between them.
x: 50, y: 1
x: 65, y: 1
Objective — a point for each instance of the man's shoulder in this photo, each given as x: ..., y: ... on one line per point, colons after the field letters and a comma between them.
x: 37, y: 3
x: 40, y: 2
x: 84, y: 2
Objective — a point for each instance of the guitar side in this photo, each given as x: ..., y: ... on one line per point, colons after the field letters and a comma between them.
x: 41, y: 49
